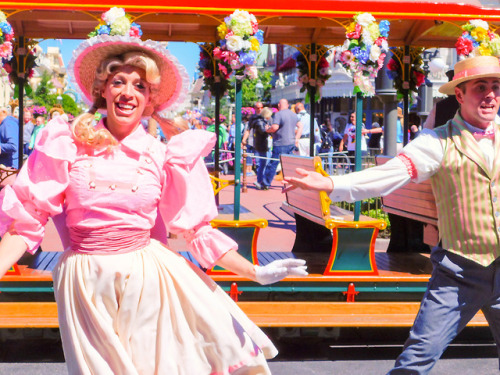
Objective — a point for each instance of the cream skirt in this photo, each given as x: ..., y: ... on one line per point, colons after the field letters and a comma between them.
x: 152, y: 312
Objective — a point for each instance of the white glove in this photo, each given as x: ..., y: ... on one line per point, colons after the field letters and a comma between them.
x: 279, y: 269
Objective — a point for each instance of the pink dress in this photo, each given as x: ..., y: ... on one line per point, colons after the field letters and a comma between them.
x: 126, y: 303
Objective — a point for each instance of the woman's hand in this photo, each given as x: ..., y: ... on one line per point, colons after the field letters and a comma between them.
x: 310, y: 181
x: 279, y: 269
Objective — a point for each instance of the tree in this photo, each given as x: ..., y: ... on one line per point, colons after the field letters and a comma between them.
x: 249, y: 91
x: 44, y: 96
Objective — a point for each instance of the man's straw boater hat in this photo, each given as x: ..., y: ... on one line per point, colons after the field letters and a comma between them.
x: 479, y: 49
x: 118, y: 36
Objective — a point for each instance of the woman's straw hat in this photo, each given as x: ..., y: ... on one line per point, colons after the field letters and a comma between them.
x: 174, y: 80
x: 472, y: 68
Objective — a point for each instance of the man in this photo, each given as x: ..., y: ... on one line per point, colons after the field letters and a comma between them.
x: 285, y: 139
x: 305, y: 130
x: 255, y: 142
x: 462, y: 160
x: 27, y: 130
x: 9, y: 139
x: 349, y: 139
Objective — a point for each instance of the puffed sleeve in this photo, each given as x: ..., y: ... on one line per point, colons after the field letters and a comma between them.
x: 187, y: 204
x: 38, y: 191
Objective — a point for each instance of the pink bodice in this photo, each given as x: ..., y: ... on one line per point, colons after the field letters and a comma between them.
x: 126, y: 188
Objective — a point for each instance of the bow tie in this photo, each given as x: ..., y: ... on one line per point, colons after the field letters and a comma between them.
x: 489, y: 133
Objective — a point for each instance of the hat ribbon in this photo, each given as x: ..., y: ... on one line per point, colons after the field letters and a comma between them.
x: 476, y: 70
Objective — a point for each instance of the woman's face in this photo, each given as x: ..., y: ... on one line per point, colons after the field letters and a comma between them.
x: 127, y: 94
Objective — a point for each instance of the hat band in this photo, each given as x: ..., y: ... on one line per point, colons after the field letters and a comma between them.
x: 476, y: 71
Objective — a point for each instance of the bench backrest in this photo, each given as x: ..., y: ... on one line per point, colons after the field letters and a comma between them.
x: 313, y: 202
x: 415, y: 201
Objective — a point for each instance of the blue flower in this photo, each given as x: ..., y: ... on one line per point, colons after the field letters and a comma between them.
x: 104, y: 29
x: 6, y: 27
x: 248, y: 58
x: 384, y: 28
x: 391, y: 74
x: 475, y: 43
x: 259, y: 35
x: 361, y: 55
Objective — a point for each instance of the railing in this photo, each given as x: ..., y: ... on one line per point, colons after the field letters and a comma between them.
x: 335, y: 164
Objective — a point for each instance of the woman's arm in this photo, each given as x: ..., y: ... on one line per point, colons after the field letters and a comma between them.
x: 12, y: 247
x: 234, y: 262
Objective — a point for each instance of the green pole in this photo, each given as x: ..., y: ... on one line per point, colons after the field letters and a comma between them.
x: 357, y: 155
x: 406, y: 104
x: 312, y: 99
x: 237, y: 151
x: 217, y: 132
x: 21, y: 73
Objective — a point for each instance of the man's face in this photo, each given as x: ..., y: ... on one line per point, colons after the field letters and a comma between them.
x: 258, y: 108
x: 480, y: 102
x: 27, y: 117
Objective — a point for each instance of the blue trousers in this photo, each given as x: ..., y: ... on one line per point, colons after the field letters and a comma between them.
x: 457, y: 290
x: 271, y: 167
x: 261, y: 164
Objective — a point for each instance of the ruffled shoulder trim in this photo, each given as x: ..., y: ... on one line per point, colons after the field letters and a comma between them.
x: 189, y: 146
x: 56, y: 140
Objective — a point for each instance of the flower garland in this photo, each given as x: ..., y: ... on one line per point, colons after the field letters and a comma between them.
x: 395, y: 72
x: 477, y: 40
x: 364, y: 51
x: 209, y: 70
x: 6, y: 36
x: 240, y: 41
x: 116, y: 22
x: 9, y: 61
x: 324, y: 72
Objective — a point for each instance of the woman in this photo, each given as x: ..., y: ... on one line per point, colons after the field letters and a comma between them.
x: 126, y: 303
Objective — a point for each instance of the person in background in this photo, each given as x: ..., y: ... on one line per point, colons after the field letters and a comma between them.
x: 330, y: 140
x: 39, y: 124
x: 285, y: 130
x: 349, y: 139
x: 461, y: 160
x: 305, y: 121
x: 127, y: 304
x: 27, y: 130
x: 374, y: 142
x: 249, y: 136
x: 260, y: 124
x: 9, y: 139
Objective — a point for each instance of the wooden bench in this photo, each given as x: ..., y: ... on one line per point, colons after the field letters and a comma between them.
x: 264, y: 314
x: 322, y: 229
x: 416, y: 202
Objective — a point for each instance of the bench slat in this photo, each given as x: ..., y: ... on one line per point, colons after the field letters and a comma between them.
x: 264, y: 314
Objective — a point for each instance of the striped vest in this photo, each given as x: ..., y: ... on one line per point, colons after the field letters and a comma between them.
x: 467, y: 192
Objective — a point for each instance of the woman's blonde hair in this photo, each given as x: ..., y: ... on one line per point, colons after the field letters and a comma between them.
x: 83, y: 127
x: 266, y: 113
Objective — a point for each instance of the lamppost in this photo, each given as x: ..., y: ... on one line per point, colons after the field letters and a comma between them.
x: 425, y: 91
x: 259, y: 90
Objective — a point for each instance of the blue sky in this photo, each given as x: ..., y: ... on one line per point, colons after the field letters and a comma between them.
x: 187, y: 53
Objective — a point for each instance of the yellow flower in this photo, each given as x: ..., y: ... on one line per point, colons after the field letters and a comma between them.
x: 484, y: 49
x: 480, y: 34
x: 222, y: 30
x: 255, y: 44
x: 351, y: 27
x: 374, y: 30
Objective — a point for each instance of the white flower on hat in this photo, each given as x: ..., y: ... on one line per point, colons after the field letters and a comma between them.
x: 113, y: 14
x: 234, y: 43
x: 364, y: 19
x: 480, y: 23
x: 3, y: 17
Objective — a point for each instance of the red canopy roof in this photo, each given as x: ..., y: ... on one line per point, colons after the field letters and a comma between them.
x: 427, y: 23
